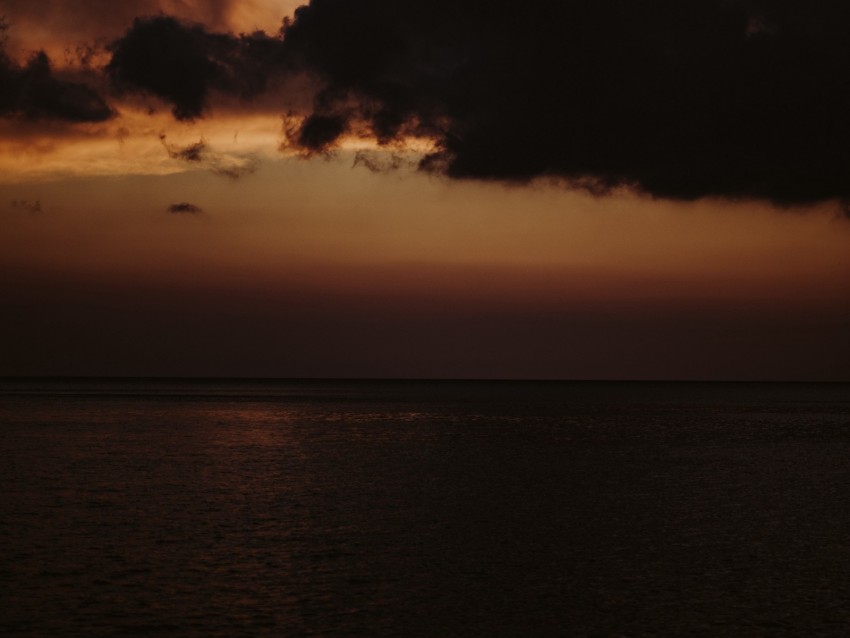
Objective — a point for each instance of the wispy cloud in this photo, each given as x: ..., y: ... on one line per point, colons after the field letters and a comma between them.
x: 230, y: 165
x: 382, y: 161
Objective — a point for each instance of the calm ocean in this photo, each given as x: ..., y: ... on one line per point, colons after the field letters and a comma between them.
x: 264, y: 508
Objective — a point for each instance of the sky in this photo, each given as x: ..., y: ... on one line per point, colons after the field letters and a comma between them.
x: 465, y: 189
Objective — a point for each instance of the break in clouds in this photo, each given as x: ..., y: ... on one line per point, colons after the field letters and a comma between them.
x: 715, y: 98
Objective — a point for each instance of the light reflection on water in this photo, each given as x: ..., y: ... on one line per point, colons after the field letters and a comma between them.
x: 275, y: 509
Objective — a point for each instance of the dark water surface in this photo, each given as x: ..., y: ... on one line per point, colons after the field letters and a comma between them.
x: 175, y: 508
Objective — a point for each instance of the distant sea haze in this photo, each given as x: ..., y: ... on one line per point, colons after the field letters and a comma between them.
x: 287, y: 508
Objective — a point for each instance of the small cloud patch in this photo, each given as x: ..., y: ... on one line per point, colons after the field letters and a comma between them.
x: 185, y: 208
x: 27, y: 206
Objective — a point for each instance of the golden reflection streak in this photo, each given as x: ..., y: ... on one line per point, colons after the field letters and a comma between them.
x: 132, y: 145
x: 129, y: 145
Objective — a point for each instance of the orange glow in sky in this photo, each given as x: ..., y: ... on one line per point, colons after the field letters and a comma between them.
x: 117, y: 241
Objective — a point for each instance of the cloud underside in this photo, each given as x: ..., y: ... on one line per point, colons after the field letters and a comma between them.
x: 722, y: 98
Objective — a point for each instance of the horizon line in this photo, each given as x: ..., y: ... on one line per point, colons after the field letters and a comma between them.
x: 246, y: 379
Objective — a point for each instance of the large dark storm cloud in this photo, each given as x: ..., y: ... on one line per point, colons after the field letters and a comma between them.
x: 740, y: 99
x: 680, y: 99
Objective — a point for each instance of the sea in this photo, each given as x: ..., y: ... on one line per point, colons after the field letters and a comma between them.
x: 175, y: 507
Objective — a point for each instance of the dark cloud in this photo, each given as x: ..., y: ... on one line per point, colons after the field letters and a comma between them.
x: 183, y: 64
x: 185, y: 207
x: 740, y: 99
x: 319, y: 131
x: 33, y: 91
x: 736, y: 99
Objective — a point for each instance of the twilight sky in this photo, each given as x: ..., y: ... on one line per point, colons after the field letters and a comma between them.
x: 373, y: 188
